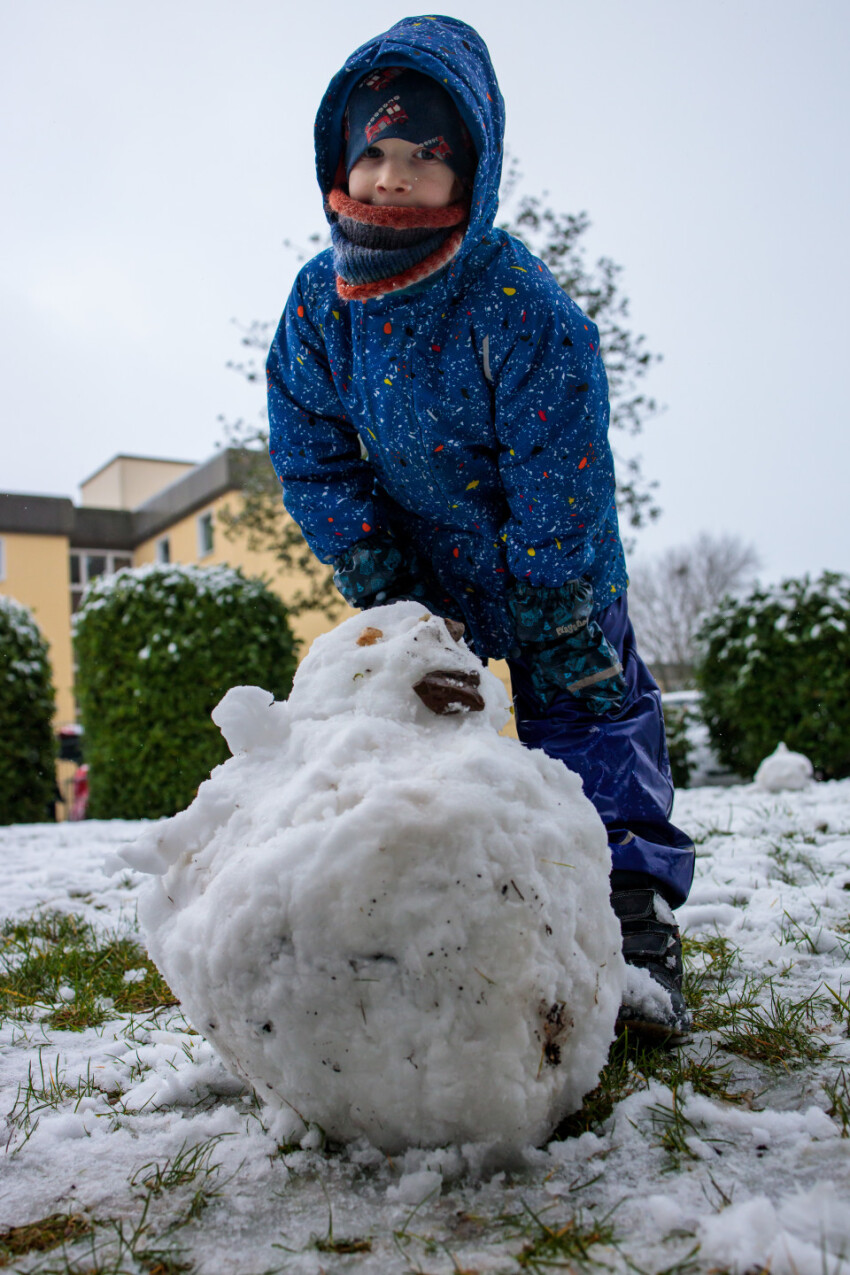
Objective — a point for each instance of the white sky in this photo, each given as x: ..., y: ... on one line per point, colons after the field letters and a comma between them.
x: 154, y: 157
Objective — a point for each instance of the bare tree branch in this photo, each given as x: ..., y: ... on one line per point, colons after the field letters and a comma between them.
x: 556, y: 238
x: 671, y: 594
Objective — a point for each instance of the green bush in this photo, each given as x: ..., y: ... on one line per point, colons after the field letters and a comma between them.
x: 776, y: 666
x: 678, y: 719
x: 27, y: 776
x: 157, y: 648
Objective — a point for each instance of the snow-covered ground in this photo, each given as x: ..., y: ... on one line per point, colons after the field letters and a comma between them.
x: 731, y: 1154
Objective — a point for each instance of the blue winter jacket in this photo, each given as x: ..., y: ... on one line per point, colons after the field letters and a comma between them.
x: 469, y: 414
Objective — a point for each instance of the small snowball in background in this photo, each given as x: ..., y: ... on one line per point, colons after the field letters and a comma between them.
x: 784, y: 770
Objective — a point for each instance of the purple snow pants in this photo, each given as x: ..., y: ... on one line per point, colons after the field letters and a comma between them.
x: 622, y: 760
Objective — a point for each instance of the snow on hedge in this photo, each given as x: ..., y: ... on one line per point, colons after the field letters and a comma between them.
x: 23, y: 647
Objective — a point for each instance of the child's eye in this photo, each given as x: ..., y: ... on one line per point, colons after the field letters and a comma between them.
x: 372, y: 152
x: 424, y: 153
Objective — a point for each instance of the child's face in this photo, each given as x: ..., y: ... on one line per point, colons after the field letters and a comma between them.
x: 404, y: 174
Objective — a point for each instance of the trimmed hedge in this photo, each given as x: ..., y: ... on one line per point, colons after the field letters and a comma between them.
x: 157, y: 648
x: 776, y: 666
x: 27, y: 747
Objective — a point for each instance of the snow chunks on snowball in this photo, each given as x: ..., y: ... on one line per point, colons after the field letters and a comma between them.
x: 784, y: 770
x: 386, y: 917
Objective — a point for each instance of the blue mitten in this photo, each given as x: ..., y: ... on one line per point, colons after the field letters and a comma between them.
x: 376, y: 571
x: 563, y: 647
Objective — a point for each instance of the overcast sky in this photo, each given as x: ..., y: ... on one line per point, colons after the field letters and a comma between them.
x: 155, y: 156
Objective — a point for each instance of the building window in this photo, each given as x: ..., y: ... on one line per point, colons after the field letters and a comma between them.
x: 85, y: 565
x: 205, y: 534
x: 95, y: 565
x: 163, y: 550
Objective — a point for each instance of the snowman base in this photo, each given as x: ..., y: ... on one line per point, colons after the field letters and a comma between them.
x: 391, y: 921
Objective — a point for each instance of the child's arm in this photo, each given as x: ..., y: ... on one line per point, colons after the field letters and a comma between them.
x: 315, y: 450
x: 551, y: 411
x: 552, y: 415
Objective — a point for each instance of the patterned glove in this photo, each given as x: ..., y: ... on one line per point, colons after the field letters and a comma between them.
x: 376, y: 571
x: 564, y: 648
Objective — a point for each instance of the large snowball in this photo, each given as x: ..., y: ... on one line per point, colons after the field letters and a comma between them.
x: 784, y: 770
x: 390, y: 922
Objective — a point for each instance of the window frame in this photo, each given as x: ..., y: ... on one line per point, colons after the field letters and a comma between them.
x: 82, y: 554
x: 205, y: 520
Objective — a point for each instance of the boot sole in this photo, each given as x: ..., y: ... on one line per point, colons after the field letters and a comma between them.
x: 656, y: 1033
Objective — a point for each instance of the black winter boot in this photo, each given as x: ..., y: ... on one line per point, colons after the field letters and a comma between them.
x: 651, y: 942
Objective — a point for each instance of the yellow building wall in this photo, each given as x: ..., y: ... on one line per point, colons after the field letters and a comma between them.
x: 128, y: 481
x: 183, y: 544
x: 37, y: 576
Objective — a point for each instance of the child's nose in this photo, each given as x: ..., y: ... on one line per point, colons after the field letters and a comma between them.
x: 393, y: 178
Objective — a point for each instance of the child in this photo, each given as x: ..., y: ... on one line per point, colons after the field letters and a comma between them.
x: 438, y: 417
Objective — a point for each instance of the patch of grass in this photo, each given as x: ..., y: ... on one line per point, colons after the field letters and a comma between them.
x: 343, y: 1246
x: 708, y: 967
x: 630, y: 1067
x: 841, y: 1008
x: 191, y: 1166
x: 838, y: 1093
x: 163, y: 1264
x: 179, y: 1170
x: 711, y: 830
x: 49, y: 952
x: 685, y: 1266
x: 45, y: 1089
x: 329, y: 1243
x: 120, y: 1247
x: 813, y: 940
x: 621, y: 1076
x: 727, y: 1270
x: 677, y: 1133
x: 404, y: 1238
x: 778, y: 1032
x: 702, y: 1072
x: 791, y: 860
x: 42, y: 1235
x: 566, y: 1247
x: 783, y: 861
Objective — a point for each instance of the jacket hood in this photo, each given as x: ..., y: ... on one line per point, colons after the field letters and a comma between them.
x: 454, y: 54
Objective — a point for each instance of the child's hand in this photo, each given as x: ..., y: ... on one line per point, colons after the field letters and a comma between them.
x: 376, y: 571
x: 564, y: 648
x: 542, y: 614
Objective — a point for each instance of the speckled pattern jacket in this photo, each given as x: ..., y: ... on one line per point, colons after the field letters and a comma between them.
x: 468, y: 414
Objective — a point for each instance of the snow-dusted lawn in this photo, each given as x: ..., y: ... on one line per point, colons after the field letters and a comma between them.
x: 740, y: 1160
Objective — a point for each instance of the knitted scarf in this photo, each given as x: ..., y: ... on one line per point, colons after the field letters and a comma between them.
x: 379, y: 249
